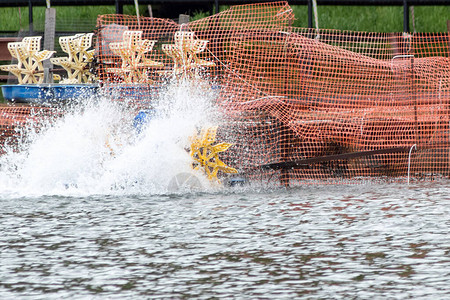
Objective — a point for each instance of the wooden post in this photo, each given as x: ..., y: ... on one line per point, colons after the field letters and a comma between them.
x: 183, y: 19
x: 49, y: 41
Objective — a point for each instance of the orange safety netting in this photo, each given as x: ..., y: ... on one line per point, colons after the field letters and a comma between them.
x: 15, y: 120
x: 305, y: 105
x: 301, y: 105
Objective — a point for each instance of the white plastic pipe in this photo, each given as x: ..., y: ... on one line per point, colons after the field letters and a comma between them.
x: 316, y: 17
x: 409, y: 160
x: 136, y: 4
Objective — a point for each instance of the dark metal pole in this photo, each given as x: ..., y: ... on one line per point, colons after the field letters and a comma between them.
x: 30, y: 17
x: 310, y: 14
x: 405, y: 16
x: 216, y: 2
x: 119, y: 7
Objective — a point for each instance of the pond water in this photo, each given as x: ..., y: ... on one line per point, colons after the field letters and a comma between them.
x: 86, y: 213
x: 382, y: 241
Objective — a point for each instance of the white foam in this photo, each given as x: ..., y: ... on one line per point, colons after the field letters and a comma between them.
x: 94, y: 148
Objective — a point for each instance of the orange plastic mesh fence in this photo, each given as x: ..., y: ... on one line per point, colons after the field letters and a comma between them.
x: 307, y: 105
x: 15, y: 118
x: 301, y: 105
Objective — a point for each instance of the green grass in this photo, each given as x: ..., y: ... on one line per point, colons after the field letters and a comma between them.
x: 376, y: 18
x: 356, y: 18
x: 68, y: 18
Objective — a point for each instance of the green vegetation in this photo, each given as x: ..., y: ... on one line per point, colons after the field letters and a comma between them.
x: 357, y: 18
x: 68, y: 18
x: 376, y: 18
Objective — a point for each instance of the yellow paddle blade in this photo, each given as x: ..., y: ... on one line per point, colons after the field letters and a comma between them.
x: 205, y: 155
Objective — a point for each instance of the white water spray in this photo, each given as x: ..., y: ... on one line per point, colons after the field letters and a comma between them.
x: 94, y: 149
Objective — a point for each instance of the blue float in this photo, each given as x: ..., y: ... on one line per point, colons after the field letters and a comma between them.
x: 142, y: 118
x: 47, y: 93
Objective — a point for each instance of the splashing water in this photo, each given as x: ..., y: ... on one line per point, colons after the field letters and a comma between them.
x: 94, y: 148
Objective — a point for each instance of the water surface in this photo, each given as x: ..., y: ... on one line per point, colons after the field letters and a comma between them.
x: 382, y: 241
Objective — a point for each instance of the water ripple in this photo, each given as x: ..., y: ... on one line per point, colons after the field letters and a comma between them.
x: 314, y: 242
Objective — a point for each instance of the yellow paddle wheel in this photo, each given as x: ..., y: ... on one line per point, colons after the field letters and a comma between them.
x: 186, y: 64
x: 205, y: 154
